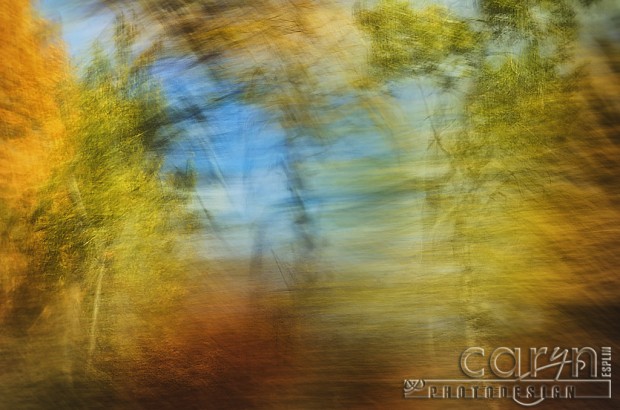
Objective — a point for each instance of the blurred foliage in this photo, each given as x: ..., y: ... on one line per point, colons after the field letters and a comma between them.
x: 516, y: 140
x: 94, y: 230
x: 31, y: 128
x: 130, y: 220
x: 409, y: 42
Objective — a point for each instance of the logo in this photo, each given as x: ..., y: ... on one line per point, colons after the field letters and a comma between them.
x: 528, y: 377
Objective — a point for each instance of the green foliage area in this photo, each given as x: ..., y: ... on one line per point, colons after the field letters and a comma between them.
x: 410, y: 42
x: 110, y: 222
x: 510, y: 136
x: 510, y: 66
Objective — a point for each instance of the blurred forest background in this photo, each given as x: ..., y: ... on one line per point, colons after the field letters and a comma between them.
x: 298, y: 204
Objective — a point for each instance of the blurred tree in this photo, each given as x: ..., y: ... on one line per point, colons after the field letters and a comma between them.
x: 299, y: 61
x: 31, y: 129
x: 111, y: 223
x: 510, y: 76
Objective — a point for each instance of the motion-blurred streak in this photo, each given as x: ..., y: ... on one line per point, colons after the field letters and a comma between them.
x: 464, y: 184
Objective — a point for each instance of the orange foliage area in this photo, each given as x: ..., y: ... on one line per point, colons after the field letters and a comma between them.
x: 32, y: 66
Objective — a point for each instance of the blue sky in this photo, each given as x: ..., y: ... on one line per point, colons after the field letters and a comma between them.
x: 79, y: 24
